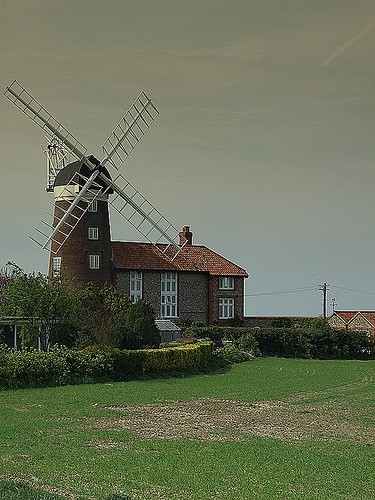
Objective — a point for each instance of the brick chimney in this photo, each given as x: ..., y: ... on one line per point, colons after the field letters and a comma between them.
x: 186, y: 236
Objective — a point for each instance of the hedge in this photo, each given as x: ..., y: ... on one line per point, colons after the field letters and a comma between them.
x: 314, y: 340
x: 63, y: 366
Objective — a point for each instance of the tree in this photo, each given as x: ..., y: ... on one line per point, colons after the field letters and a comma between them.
x: 100, y: 315
x: 8, y: 273
x: 43, y: 301
x: 140, y: 328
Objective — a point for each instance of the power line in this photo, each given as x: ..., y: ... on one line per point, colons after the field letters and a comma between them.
x: 280, y: 292
x: 310, y: 288
x: 352, y: 290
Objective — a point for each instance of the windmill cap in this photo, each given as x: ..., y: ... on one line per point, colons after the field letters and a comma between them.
x: 64, y: 177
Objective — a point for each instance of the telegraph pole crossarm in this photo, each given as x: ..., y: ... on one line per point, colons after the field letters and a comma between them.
x: 324, y: 288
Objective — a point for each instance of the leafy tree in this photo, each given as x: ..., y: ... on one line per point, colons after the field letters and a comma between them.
x: 140, y: 328
x: 100, y: 315
x: 8, y: 273
x: 43, y: 301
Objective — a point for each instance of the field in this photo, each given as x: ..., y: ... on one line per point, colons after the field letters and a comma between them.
x: 268, y: 429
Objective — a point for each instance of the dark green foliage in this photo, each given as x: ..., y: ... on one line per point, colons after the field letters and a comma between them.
x: 45, y: 301
x: 63, y: 366
x: 248, y: 343
x: 216, y: 333
x: 283, y: 322
x: 231, y: 354
x: 313, y: 338
x: 140, y: 328
x: 100, y: 315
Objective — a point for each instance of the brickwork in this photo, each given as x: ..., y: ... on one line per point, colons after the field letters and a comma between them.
x: 77, y: 248
x: 216, y: 293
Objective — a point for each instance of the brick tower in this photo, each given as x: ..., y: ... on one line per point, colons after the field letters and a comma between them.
x: 86, y: 254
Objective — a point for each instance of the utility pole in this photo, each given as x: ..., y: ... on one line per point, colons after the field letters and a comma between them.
x: 324, y: 288
x: 333, y: 304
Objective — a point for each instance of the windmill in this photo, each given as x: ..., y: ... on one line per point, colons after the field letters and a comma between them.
x: 87, y: 183
x: 57, y: 157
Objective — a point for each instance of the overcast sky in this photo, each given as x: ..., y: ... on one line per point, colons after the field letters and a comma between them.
x: 264, y: 144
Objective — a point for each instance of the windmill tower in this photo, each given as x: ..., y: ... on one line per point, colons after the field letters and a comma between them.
x: 86, y: 254
x: 76, y: 231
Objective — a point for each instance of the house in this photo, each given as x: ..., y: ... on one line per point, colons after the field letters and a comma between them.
x: 353, y: 320
x: 198, y: 285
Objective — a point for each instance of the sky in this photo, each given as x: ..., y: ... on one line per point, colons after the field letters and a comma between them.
x: 264, y: 144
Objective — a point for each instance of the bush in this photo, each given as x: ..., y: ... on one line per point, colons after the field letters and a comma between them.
x: 310, y: 338
x: 248, y: 343
x: 140, y: 328
x: 65, y: 366
x: 232, y: 354
x: 183, y: 357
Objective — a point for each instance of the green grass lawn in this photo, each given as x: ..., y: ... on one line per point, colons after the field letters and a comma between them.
x: 267, y: 429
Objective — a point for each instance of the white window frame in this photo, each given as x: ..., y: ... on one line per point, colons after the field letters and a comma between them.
x: 94, y: 261
x: 226, y: 283
x: 136, y: 282
x: 56, y: 267
x: 93, y: 207
x: 226, y: 308
x: 168, y: 303
x: 93, y: 233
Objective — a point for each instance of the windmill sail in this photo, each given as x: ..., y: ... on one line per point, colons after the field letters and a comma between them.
x: 127, y: 200
x: 142, y: 215
x: 19, y: 96
x: 58, y: 223
x: 128, y: 132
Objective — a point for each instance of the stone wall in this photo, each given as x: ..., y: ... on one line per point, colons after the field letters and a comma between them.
x: 192, y: 301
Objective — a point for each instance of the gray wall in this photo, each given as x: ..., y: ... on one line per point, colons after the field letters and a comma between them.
x: 192, y: 295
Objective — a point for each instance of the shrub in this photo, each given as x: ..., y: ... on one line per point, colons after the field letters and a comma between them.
x: 248, y: 343
x: 66, y: 366
x: 232, y: 354
x: 309, y: 338
x: 140, y: 328
x: 183, y: 357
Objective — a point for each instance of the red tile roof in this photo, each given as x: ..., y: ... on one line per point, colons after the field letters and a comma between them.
x: 348, y: 316
x: 144, y: 256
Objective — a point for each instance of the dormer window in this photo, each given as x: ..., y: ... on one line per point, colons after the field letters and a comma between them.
x: 226, y: 283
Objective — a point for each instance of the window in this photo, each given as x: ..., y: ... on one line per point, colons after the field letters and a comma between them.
x: 94, y: 261
x: 56, y: 266
x: 169, y: 295
x: 226, y: 308
x: 93, y: 207
x: 93, y: 233
x: 226, y: 282
x: 135, y: 286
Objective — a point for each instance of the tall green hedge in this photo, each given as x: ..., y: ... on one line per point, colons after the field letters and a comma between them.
x: 63, y: 366
x: 316, y: 339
